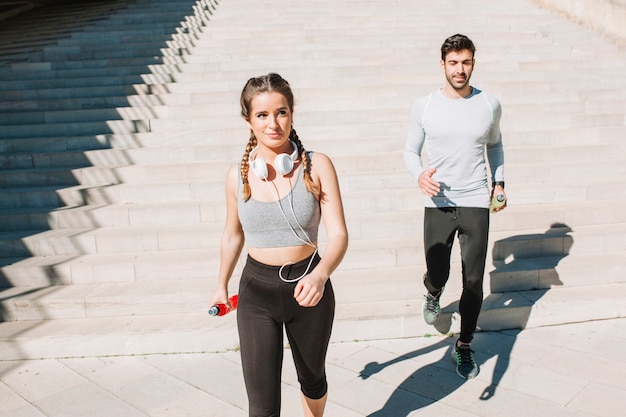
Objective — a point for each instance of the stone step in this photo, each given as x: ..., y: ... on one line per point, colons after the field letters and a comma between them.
x: 377, y: 248
x: 118, y: 157
x: 112, y: 56
x: 188, y: 110
x: 128, y: 267
x: 29, y: 198
x: 102, y: 186
x: 357, y: 195
x: 347, y: 160
x: 61, y: 93
x: 323, y: 139
x: 376, y: 120
x: 109, y: 175
x: 188, y: 145
x: 195, y: 331
x: 111, y: 215
x: 51, y: 207
x: 100, y: 67
x: 45, y: 69
x: 570, y: 265
x: 500, y: 311
x: 363, y: 319
x: 141, y: 18
x: 403, y: 227
x: 605, y: 152
x: 90, y: 82
x: 76, y: 241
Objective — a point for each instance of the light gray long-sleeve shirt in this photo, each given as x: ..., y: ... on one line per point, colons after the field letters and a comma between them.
x: 456, y: 133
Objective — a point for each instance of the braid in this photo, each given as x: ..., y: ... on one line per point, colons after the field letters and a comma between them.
x: 245, y: 166
x: 306, y: 165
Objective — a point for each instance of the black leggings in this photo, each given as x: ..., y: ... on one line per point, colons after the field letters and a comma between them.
x: 472, y: 226
x: 266, y: 304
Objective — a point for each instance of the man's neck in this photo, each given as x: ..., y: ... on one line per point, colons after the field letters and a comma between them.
x: 451, y: 92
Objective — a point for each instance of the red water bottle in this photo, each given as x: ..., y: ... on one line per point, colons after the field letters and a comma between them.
x: 220, y: 309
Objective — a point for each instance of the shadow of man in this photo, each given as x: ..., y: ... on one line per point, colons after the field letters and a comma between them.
x: 525, y: 269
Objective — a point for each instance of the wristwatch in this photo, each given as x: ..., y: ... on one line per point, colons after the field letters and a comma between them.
x: 500, y: 183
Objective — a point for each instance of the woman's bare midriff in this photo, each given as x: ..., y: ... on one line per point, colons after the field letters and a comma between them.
x: 282, y: 255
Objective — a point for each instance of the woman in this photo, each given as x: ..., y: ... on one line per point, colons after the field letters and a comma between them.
x: 275, y: 199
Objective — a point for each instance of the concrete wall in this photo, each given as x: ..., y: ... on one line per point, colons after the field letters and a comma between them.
x: 606, y: 16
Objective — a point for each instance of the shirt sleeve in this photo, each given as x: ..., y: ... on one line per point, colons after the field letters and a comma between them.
x: 415, y: 140
x: 495, y: 150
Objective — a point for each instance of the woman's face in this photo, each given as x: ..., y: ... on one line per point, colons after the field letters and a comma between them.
x: 270, y: 120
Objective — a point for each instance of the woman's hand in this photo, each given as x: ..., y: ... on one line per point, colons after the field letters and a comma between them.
x: 309, y: 290
x: 220, y: 296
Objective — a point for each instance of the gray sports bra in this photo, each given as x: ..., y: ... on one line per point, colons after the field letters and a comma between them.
x: 265, y: 226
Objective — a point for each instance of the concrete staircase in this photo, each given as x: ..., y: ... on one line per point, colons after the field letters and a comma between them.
x: 118, y: 120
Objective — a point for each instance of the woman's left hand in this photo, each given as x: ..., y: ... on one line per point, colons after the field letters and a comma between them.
x: 309, y: 290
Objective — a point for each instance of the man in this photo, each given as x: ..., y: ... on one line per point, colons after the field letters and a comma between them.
x: 457, y: 123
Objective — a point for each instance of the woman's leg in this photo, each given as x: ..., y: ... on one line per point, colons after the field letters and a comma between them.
x: 308, y: 330
x: 261, y: 343
x: 313, y: 408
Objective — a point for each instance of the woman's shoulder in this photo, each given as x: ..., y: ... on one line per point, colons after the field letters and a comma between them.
x: 321, y: 164
x: 318, y: 156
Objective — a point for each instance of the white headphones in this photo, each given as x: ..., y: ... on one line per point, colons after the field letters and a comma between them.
x: 283, y: 163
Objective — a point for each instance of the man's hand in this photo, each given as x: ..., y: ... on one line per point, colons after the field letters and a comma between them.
x: 428, y: 186
x: 497, y: 190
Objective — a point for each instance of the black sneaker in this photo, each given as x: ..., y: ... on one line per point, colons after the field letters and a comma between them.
x: 466, y: 367
x: 431, y: 308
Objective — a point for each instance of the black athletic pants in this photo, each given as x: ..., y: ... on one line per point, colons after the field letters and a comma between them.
x: 266, y: 305
x: 472, y: 226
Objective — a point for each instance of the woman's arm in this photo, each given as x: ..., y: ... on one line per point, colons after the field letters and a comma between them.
x: 309, y: 290
x: 232, y: 239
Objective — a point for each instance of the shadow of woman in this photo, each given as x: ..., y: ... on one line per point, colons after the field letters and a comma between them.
x: 528, y: 263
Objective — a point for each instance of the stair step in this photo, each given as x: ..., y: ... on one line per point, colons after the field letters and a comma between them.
x: 405, y: 263
x: 79, y: 241
x: 65, y: 336
x: 101, y: 67
x: 123, y: 335
x: 129, y: 267
x: 110, y: 215
x: 86, y: 82
x: 194, y: 331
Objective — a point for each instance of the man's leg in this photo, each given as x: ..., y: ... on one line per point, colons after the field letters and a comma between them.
x: 439, y: 231
x: 473, y: 238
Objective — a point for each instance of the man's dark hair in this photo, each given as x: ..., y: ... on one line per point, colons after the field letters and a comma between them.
x: 457, y: 43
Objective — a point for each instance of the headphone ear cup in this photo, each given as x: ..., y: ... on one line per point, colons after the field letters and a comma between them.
x: 259, y: 167
x: 283, y: 164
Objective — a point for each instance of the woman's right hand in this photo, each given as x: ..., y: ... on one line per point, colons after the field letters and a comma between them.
x: 220, y: 296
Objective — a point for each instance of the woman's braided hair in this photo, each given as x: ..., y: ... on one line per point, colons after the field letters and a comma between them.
x: 270, y: 83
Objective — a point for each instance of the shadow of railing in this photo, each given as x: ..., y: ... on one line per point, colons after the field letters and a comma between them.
x: 32, y: 180
x: 525, y: 271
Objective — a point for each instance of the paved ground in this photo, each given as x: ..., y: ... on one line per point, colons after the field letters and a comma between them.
x: 566, y: 370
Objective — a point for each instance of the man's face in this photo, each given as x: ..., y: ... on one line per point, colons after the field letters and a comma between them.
x: 458, y: 67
